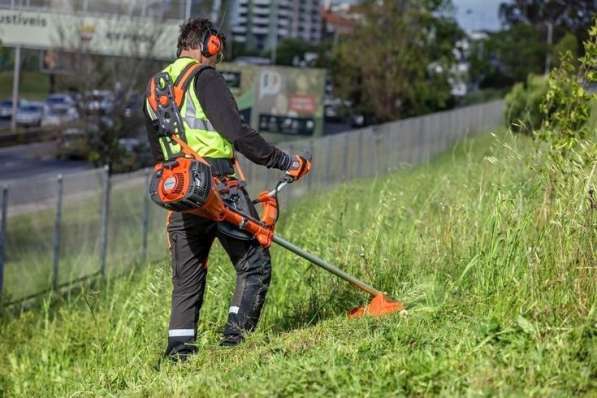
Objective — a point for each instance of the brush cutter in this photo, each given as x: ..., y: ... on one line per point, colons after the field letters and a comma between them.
x: 184, y: 182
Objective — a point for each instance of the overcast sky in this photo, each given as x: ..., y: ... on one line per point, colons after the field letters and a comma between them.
x: 478, y: 14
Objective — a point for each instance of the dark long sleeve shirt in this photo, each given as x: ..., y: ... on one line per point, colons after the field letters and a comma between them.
x: 221, y: 110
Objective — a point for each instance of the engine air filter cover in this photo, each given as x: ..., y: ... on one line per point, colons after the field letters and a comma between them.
x: 180, y: 185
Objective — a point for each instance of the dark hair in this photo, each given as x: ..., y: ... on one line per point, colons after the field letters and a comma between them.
x: 192, y: 32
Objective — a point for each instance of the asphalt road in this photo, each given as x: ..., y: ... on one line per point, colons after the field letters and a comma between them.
x: 26, y: 161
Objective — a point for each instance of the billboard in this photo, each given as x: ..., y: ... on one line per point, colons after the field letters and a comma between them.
x: 278, y: 100
x: 114, y: 35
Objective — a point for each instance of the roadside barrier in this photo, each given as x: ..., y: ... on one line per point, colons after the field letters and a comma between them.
x: 60, y: 230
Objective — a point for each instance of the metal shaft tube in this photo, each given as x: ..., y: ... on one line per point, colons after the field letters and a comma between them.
x: 326, y: 266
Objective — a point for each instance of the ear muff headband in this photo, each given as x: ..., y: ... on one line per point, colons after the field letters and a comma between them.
x: 211, y: 44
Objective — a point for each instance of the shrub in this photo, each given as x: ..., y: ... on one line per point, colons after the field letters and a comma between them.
x: 567, y: 107
x: 523, y: 104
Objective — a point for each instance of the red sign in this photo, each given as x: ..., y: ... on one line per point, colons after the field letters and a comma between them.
x: 302, y: 104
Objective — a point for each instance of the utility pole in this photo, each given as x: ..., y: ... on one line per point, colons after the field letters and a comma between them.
x: 15, y: 88
x: 549, y: 45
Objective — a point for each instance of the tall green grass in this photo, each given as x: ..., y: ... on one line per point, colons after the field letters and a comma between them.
x: 496, y: 265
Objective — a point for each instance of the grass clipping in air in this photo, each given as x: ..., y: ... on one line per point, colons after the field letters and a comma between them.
x: 497, y: 268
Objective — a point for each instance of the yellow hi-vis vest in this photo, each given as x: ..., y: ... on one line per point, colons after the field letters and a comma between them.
x: 200, y: 134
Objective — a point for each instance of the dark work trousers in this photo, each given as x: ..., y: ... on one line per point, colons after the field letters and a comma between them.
x: 190, y: 239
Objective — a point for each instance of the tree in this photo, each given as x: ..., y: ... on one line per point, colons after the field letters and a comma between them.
x: 553, y: 18
x: 568, y: 44
x: 496, y: 61
x: 396, y: 62
x: 573, y: 15
x: 291, y: 48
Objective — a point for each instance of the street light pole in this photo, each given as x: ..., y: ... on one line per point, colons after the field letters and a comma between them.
x: 215, y: 12
x: 188, y: 10
x: 15, y: 87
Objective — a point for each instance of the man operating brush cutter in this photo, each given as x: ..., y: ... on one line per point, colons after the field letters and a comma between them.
x: 212, y: 131
x: 194, y: 128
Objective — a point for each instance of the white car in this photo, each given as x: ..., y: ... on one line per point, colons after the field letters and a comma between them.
x: 99, y: 101
x: 60, y: 115
x: 60, y: 100
x: 30, y: 114
x: 6, y: 108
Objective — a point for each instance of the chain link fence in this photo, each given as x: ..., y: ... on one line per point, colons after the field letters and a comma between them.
x: 56, y: 231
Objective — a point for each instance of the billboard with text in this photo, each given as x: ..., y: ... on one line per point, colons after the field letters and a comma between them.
x: 110, y: 35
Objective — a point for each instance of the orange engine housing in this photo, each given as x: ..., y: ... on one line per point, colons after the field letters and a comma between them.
x: 185, y: 184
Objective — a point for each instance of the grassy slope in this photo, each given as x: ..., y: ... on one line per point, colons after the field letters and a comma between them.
x: 34, y: 85
x: 498, y: 272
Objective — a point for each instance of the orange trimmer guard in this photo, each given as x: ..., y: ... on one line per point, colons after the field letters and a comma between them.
x: 379, y: 305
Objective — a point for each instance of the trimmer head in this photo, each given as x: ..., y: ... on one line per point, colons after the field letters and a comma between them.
x: 379, y: 305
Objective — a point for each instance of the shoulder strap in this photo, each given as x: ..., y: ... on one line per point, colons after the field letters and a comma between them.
x: 179, y: 88
x: 182, y: 83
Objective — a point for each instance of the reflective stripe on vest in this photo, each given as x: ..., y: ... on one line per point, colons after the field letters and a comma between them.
x: 201, y: 136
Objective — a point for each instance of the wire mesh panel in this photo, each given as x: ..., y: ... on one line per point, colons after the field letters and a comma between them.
x: 125, y: 221
x: 80, y: 227
x: 157, y: 248
x: 28, y: 245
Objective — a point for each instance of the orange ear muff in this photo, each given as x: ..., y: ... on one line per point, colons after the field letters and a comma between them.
x: 214, y: 45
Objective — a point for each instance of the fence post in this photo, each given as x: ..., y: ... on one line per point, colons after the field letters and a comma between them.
x: 314, y: 159
x: 57, y: 225
x: 3, y: 237
x: 104, y: 221
x: 145, y: 218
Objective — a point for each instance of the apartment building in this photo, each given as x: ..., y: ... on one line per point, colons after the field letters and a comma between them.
x: 261, y: 24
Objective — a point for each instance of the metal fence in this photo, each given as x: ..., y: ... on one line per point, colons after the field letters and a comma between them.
x: 60, y: 230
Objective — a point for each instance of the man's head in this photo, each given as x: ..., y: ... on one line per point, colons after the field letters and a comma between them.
x: 199, y: 39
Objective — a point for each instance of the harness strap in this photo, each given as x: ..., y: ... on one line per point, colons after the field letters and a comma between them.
x: 179, y: 88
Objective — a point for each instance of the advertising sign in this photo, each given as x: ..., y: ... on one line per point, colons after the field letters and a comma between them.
x: 278, y: 100
x: 117, y: 35
x: 290, y: 101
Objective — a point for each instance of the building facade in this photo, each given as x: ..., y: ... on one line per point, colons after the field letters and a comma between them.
x: 261, y: 24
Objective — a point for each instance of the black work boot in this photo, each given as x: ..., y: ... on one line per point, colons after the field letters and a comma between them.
x: 179, y: 352
x: 231, y: 340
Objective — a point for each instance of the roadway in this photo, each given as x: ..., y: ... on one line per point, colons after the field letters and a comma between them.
x: 26, y: 161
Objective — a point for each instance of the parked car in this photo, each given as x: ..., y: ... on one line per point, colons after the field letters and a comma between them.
x: 98, y: 101
x: 6, y: 108
x: 30, y: 114
x: 133, y: 106
x: 60, y: 115
x: 60, y: 101
x: 72, y: 144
